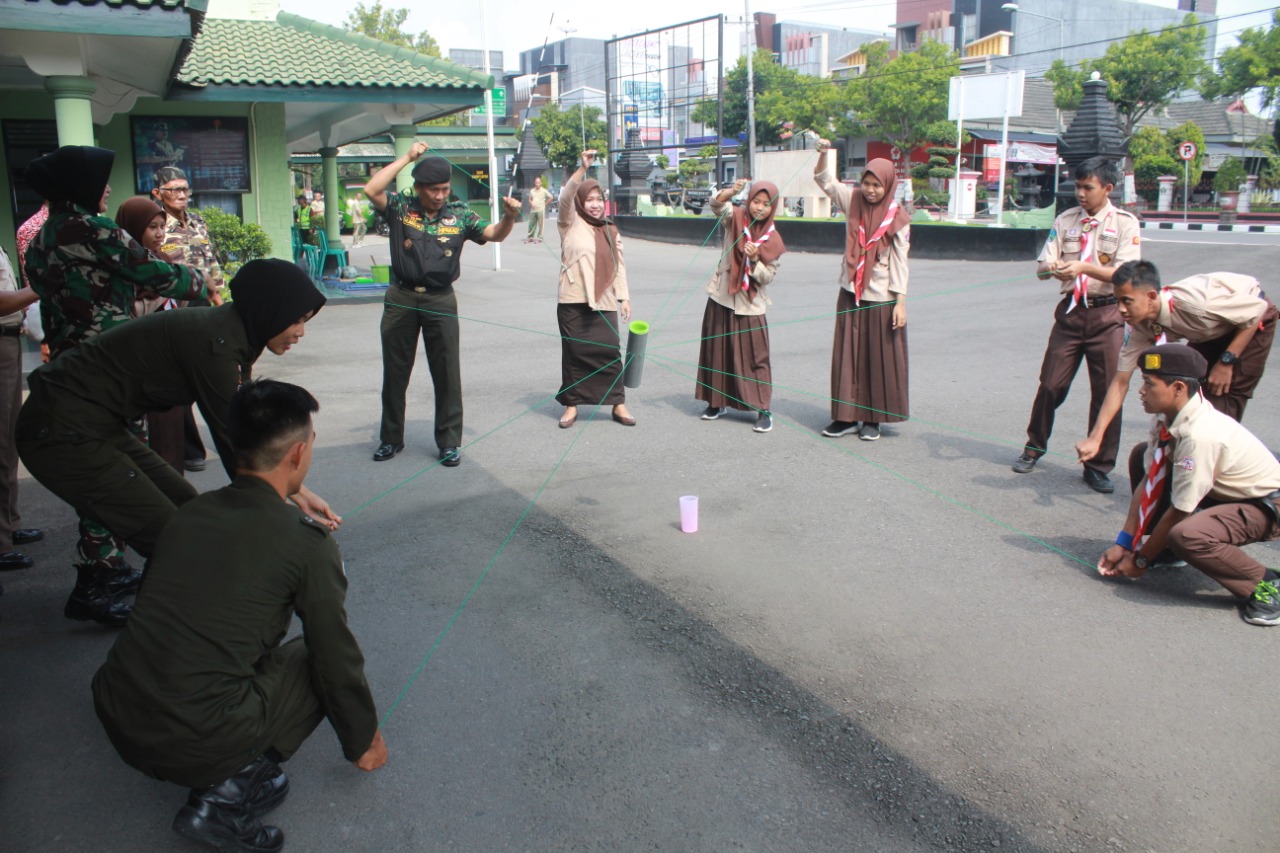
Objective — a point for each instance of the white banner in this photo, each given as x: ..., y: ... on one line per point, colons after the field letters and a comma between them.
x: 1024, y: 152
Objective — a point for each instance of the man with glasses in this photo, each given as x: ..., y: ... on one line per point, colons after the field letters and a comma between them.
x: 186, y: 242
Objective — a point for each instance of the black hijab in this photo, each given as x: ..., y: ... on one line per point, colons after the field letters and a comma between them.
x: 74, y: 173
x: 270, y: 296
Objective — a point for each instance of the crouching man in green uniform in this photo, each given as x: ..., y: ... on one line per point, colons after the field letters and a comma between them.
x: 198, y: 689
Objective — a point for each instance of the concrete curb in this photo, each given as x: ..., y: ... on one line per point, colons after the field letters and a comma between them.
x: 1212, y: 226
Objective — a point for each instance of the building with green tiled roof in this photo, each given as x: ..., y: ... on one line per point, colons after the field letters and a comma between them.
x: 233, y: 86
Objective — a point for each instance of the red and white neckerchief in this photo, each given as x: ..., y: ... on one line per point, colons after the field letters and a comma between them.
x: 1080, y: 292
x: 1154, y: 486
x: 746, y: 263
x: 865, y: 244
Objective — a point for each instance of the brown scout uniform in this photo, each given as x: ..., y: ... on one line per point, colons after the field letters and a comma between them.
x: 1207, y: 310
x: 1091, y: 332
x: 1218, y: 463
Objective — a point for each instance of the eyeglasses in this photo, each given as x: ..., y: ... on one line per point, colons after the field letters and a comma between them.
x: 176, y: 190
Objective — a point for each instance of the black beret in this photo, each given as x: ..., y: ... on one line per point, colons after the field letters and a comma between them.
x: 1173, y: 360
x: 431, y: 170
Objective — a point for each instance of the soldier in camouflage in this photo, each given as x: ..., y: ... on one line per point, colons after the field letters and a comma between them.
x: 88, y: 273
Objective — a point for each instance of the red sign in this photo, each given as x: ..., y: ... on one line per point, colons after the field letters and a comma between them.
x: 1187, y: 151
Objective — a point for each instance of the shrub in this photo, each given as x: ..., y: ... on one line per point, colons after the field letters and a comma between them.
x: 1230, y: 175
x: 234, y: 242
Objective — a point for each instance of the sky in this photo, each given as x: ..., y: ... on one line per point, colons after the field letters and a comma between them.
x: 519, y: 25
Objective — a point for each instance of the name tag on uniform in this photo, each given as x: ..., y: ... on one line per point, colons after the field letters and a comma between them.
x: 446, y: 230
x: 412, y: 220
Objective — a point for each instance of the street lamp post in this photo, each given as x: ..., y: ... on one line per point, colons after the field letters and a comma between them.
x: 1015, y: 10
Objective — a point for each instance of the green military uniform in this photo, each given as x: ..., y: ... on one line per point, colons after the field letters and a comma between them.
x: 199, y: 684
x: 425, y: 261
x: 88, y: 273
x: 72, y: 432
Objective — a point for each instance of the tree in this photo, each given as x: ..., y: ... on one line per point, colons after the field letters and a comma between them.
x: 1230, y: 175
x: 897, y: 100
x: 782, y: 95
x: 1252, y: 64
x: 560, y: 133
x: 1154, y: 153
x: 1146, y: 71
x: 388, y: 25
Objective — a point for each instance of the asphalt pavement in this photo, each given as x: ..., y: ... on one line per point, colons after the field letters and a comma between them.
x: 889, y: 646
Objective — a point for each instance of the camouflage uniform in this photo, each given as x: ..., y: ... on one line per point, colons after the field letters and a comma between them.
x: 188, y: 244
x: 88, y: 273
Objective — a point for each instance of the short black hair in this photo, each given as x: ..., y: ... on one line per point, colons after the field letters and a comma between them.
x: 264, y: 418
x: 1142, y: 275
x: 1192, y: 383
x: 1099, y: 167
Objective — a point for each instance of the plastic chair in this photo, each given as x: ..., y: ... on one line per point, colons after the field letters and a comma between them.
x: 339, y: 255
x: 314, y: 261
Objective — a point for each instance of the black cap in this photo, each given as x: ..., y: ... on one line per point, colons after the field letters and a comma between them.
x: 431, y: 170
x: 1173, y: 360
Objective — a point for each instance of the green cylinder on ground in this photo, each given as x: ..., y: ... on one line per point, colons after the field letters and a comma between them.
x: 637, y: 338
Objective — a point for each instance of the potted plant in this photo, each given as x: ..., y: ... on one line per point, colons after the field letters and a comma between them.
x: 1226, y: 183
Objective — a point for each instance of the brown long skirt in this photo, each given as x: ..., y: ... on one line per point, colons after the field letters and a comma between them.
x: 590, y: 356
x: 166, y: 435
x: 733, y: 360
x: 868, y: 364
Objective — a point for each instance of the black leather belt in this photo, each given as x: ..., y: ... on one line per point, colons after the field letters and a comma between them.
x: 416, y: 288
x: 1270, y: 504
x: 10, y: 331
x: 1099, y: 301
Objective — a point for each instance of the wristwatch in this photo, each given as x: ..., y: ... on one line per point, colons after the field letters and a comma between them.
x: 1141, y: 562
x: 1228, y: 357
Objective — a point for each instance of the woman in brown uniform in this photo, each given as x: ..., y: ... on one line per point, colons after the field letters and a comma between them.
x: 733, y: 359
x: 869, y: 359
x: 593, y: 295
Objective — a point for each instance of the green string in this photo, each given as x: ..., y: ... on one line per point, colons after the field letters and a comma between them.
x: 475, y: 441
x: 885, y: 468
x: 494, y: 559
x: 872, y: 409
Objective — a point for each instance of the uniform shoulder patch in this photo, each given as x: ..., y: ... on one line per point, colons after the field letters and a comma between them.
x: 309, y: 522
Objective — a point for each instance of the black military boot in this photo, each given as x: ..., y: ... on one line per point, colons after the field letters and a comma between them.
x: 226, y: 815
x: 92, y: 599
x: 124, y: 579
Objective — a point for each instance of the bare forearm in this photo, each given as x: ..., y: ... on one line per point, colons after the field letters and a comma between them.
x: 376, y: 189
x: 1241, y: 339
x: 1158, y: 537
x: 1111, y: 404
x: 496, y: 232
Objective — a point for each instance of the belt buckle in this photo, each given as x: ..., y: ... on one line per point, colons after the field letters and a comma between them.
x: 419, y: 290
